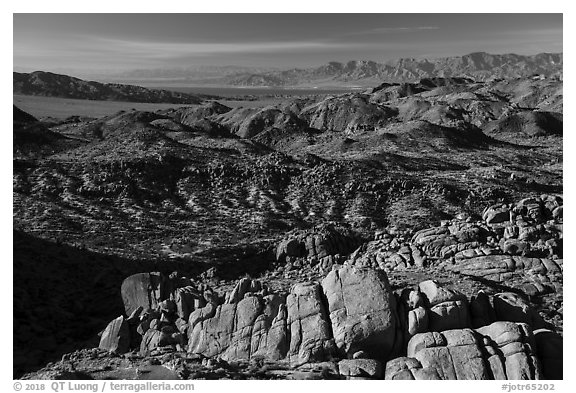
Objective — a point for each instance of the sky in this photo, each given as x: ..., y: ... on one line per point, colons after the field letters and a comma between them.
x: 92, y: 43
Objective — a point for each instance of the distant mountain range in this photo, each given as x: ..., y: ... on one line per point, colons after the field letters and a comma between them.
x: 478, y: 66
x: 41, y: 83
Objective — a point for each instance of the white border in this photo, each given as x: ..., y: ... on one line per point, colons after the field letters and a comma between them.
x: 305, y: 6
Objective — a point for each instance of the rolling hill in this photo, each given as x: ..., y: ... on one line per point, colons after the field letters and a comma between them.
x: 40, y: 83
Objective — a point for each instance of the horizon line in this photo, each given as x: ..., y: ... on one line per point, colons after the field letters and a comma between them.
x: 265, y: 69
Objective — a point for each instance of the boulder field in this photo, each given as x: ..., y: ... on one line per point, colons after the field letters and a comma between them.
x: 329, y: 309
x: 351, y: 320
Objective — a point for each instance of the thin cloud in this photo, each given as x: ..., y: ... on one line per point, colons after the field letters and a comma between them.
x: 85, y: 51
x: 179, y: 49
x: 384, y: 30
x: 392, y: 30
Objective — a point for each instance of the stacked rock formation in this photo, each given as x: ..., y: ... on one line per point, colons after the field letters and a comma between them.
x: 352, y: 320
x: 158, y: 310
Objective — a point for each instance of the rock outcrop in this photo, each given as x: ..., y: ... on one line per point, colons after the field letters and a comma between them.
x: 263, y: 325
x: 502, y: 350
x: 351, y: 320
x: 312, y: 323
x: 320, y: 247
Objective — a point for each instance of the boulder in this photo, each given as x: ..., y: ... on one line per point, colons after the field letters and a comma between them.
x: 116, y: 336
x: 150, y: 341
x: 515, y: 247
x: 243, y: 287
x: 270, y: 333
x: 558, y: 213
x: 289, y: 248
x: 436, y: 293
x: 309, y: 326
x: 452, y: 355
x: 201, y: 314
x: 235, y: 334
x: 530, y: 208
x: 319, y: 242
x: 187, y: 299
x: 496, y: 215
x: 360, y: 368
x: 502, y: 350
x: 509, y: 306
x: 405, y: 368
x: 418, y: 321
x: 426, y: 235
x: 514, y: 345
x: 500, y: 268
x: 433, y: 240
x: 182, y: 326
x: 418, y: 256
x: 449, y: 315
x: 144, y: 289
x: 362, y: 311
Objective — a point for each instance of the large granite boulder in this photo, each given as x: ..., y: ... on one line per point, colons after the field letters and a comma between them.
x: 453, y: 354
x: 514, y: 345
x: 310, y: 335
x: 270, y: 333
x: 502, y: 350
x: 362, y: 310
x: 144, y: 289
